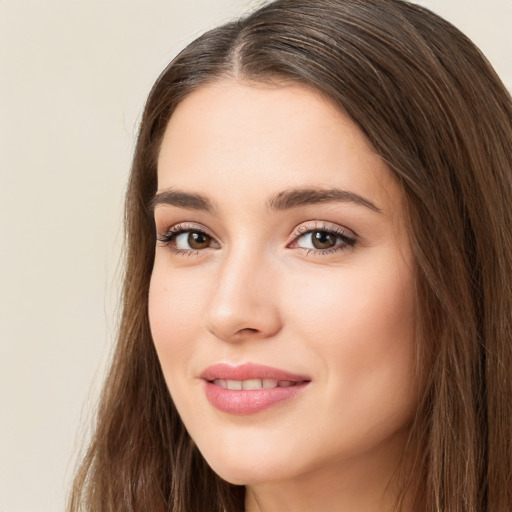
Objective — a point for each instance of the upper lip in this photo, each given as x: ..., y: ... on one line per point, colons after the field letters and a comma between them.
x: 249, y: 371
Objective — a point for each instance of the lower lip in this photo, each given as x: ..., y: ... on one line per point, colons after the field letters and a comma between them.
x: 249, y: 401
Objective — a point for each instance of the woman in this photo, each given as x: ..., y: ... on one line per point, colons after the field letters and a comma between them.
x: 317, y: 304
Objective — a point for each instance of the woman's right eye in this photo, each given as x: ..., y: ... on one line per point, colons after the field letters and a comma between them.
x: 183, y: 240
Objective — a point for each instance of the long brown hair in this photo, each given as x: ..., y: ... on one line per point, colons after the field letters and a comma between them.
x: 438, y: 115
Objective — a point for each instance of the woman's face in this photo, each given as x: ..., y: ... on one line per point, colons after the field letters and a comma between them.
x: 282, y: 268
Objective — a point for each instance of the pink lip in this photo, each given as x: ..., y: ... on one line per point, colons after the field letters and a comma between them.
x: 249, y: 401
x: 249, y: 371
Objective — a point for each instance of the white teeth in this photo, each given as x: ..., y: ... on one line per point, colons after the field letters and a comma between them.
x: 251, y: 384
x: 236, y: 385
x: 269, y: 383
x: 221, y: 382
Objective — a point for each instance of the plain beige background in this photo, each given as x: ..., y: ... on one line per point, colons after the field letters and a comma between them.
x: 74, y: 75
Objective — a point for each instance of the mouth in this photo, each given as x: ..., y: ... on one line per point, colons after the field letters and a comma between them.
x: 235, y: 385
x: 250, y: 388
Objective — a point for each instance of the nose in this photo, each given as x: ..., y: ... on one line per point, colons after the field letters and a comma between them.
x: 244, y: 304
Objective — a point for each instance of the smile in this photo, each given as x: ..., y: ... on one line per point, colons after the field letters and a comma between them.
x: 254, y: 384
x: 250, y: 388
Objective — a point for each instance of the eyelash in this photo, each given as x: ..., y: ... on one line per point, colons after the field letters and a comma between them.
x: 347, y: 240
x: 171, y: 234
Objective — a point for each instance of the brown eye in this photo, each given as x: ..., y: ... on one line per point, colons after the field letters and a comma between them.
x: 188, y: 240
x: 198, y: 240
x: 323, y: 239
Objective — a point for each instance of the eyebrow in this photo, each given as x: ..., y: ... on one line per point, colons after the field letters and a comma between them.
x: 284, y: 200
x: 182, y: 200
x: 306, y: 196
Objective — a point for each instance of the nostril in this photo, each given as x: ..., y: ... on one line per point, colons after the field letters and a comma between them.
x: 247, y: 330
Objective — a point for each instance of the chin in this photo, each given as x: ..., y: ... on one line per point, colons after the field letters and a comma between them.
x: 240, y: 470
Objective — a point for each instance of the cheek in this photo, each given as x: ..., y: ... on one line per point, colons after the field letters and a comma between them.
x: 175, y: 312
x: 342, y: 303
x: 360, y: 331
x: 360, y: 324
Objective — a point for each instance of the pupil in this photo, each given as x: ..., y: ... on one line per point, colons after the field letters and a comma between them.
x: 198, y: 240
x: 323, y: 240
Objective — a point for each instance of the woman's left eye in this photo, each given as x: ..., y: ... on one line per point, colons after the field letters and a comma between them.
x: 323, y: 240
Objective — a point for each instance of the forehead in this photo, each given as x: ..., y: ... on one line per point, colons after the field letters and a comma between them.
x: 231, y: 136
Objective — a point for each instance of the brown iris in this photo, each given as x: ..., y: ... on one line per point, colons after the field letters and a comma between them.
x: 323, y: 239
x: 198, y: 240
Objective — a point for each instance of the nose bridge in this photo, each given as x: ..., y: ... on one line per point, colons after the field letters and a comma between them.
x: 242, y: 303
